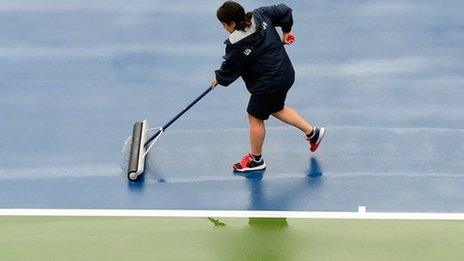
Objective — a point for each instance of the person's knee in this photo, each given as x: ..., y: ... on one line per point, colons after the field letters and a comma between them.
x: 280, y: 113
x: 255, y: 121
x: 277, y: 114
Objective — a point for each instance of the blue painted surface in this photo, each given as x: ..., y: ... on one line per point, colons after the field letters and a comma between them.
x: 386, y: 78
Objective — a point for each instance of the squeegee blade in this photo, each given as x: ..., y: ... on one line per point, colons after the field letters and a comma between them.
x: 137, y: 152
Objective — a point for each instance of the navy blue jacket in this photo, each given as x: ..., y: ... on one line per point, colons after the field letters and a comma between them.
x: 260, y: 58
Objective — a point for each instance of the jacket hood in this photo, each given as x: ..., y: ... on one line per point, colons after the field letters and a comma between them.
x: 240, y: 39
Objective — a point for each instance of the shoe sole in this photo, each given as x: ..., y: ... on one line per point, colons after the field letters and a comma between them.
x: 319, y: 139
x: 251, y: 169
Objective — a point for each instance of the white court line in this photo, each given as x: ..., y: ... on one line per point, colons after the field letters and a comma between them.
x: 362, y: 214
x: 334, y: 127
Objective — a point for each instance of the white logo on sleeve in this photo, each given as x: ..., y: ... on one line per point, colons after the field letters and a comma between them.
x: 247, y: 51
x: 264, y: 25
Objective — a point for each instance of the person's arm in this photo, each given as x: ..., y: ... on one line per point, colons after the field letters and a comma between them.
x: 280, y: 15
x: 230, y: 69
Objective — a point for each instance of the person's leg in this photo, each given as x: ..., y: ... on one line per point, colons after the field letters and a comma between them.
x: 313, y: 135
x: 290, y: 116
x: 257, y: 134
x: 253, y: 160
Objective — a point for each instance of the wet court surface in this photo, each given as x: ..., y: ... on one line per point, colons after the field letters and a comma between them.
x: 385, y: 80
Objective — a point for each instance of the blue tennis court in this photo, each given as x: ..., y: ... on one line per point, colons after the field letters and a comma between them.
x: 385, y: 78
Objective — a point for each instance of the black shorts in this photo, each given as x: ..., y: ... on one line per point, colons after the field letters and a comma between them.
x: 261, y: 106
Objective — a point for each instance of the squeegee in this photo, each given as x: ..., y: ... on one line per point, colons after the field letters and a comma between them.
x: 142, y: 142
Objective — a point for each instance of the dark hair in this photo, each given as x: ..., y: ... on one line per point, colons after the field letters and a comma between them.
x: 233, y: 12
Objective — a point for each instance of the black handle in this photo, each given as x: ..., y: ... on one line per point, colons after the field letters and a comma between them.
x: 179, y: 114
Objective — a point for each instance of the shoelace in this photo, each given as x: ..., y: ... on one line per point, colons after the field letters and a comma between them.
x: 245, y: 160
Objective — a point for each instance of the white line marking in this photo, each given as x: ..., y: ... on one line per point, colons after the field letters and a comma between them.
x: 235, y: 214
x: 361, y: 209
x: 334, y: 127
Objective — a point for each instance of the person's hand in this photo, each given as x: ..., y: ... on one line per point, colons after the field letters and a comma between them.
x: 214, y: 82
x: 288, y: 38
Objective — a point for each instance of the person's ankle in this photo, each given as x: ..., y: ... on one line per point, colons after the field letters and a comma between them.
x: 310, y: 134
x: 256, y: 157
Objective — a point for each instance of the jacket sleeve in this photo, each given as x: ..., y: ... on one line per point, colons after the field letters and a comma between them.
x: 280, y: 15
x: 231, y: 67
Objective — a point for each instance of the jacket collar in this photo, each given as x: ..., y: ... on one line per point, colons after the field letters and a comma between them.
x: 247, y: 37
x: 238, y: 35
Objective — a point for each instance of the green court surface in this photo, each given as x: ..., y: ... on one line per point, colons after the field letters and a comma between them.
x: 90, y: 238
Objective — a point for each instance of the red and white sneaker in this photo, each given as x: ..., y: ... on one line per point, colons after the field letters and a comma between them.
x: 316, y: 138
x: 249, y: 163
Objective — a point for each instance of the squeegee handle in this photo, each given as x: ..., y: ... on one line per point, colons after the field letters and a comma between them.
x: 187, y: 108
x: 178, y: 115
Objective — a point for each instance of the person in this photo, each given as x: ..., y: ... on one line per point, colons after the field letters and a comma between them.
x: 255, y: 52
